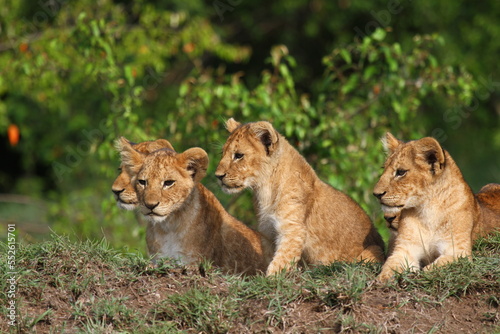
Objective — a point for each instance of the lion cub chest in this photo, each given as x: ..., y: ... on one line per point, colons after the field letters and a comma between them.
x: 427, y: 240
x: 269, y: 225
x: 170, y: 240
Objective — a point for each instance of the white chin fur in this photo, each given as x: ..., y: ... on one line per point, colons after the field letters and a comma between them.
x: 126, y: 206
x: 231, y: 190
x: 391, y: 209
x: 155, y: 219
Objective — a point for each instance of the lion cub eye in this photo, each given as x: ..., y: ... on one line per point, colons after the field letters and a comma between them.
x: 168, y: 183
x: 238, y: 156
x: 401, y: 172
x: 142, y: 182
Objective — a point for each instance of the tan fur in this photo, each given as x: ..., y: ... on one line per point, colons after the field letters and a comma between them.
x: 489, y: 202
x: 123, y: 190
x: 306, y: 218
x: 189, y: 223
x: 434, y: 210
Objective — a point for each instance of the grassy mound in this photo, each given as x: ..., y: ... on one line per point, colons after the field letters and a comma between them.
x: 62, y: 286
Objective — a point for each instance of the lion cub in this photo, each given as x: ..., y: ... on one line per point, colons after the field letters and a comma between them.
x: 124, y: 191
x: 189, y: 222
x: 436, y: 215
x: 306, y: 218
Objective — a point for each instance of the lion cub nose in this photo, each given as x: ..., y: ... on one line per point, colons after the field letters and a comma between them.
x: 220, y: 176
x: 390, y: 219
x: 151, y: 206
x: 117, y: 192
x: 379, y: 195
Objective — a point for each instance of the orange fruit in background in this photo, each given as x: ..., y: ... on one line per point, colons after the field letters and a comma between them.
x: 13, y: 134
x: 23, y: 47
x: 189, y: 47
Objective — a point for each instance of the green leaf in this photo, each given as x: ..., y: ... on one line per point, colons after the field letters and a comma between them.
x: 351, y: 83
x: 369, y: 72
x: 128, y: 75
x: 301, y: 132
x: 372, y: 56
x: 346, y: 56
x: 396, y: 106
x: 379, y: 34
x: 397, y: 49
x: 183, y: 89
x: 289, y: 128
x: 393, y: 64
x: 433, y: 61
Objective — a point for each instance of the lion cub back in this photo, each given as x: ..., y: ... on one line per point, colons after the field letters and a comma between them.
x: 489, y: 202
x: 235, y: 247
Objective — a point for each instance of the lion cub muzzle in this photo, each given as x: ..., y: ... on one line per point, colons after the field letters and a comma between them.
x: 379, y: 195
x: 392, y: 221
x: 220, y: 176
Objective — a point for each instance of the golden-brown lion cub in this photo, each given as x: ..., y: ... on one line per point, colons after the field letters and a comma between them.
x: 306, y: 218
x: 434, y: 209
x: 124, y: 191
x: 190, y: 223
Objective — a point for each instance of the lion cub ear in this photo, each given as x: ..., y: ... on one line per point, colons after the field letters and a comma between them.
x: 390, y: 142
x: 267, y: 134
x: 432, y: 153
x: 195, y: 160
x: 131, y: 159
x: 163, y: 143
x: 231, y: 124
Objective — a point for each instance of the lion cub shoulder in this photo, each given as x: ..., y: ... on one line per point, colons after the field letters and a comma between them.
x: 189, y: 223
x: 306, y: 218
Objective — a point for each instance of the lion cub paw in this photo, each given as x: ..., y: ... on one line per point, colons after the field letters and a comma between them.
x: 276, y: 268
x: 273, y: 269
x: 385, y: 276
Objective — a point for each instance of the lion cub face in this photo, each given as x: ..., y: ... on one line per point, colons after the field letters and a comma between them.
x: 244, y: 155
x: 164, y: 179
x: 123, y: 189
x: 163, y: 185
x: 409, y: 169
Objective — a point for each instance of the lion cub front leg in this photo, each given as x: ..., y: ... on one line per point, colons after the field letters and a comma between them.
x: 404, y: 256
x: 289, y: 246
x: 460, y: 247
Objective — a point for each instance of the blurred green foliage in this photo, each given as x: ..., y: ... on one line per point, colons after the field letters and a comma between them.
x: 332, y: 77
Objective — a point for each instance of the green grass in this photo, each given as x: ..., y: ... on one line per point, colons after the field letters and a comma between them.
x: 199, y: 308
x: 82, y: 287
